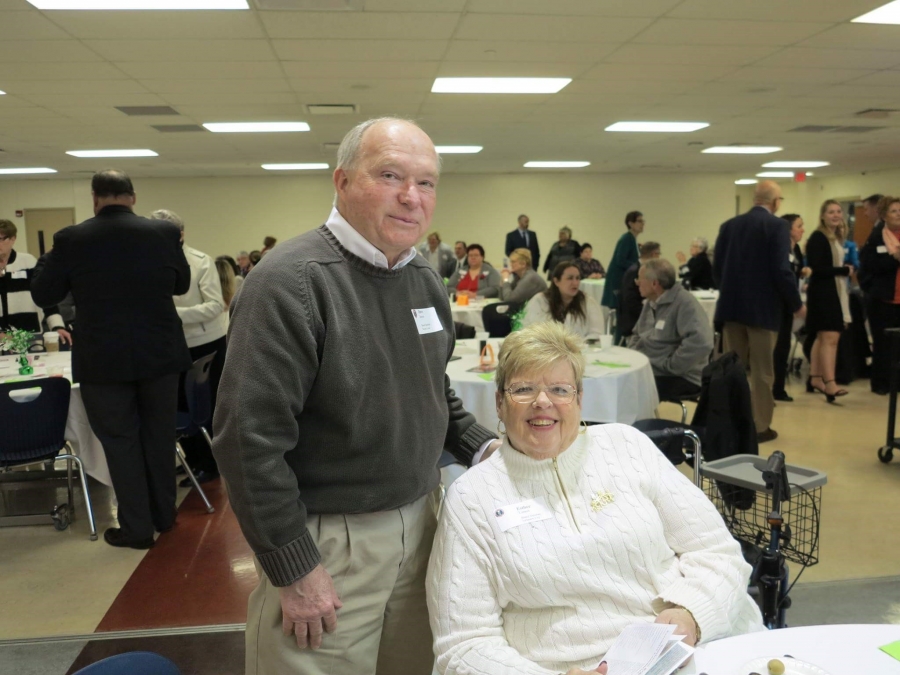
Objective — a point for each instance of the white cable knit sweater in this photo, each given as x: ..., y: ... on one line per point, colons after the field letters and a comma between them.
x: 550, y: 595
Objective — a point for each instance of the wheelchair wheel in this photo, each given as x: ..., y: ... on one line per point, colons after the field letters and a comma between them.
x: 60, y: 515
x: 886, y: 454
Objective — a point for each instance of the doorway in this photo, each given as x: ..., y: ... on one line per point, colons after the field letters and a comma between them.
x: 42, y: 224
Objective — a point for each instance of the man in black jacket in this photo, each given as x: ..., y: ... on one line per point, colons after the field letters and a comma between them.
x: 522, y: 237
x: 753, y: 272
x: 122, y: 271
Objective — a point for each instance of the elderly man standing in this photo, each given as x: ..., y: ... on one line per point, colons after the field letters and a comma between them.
x: 122, y: 271
x: 673, y: 331
x: 333, y: 410
x: 753, y: 272
x: 439, y: 255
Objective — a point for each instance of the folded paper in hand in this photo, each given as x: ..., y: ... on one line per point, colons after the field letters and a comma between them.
x: 647, y: 649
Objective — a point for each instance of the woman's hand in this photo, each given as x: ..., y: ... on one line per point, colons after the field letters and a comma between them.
x: 684, y: 622
x: 681, y: 257
x: 891, y: 242
x: 504, y: 274
x: 578, y: 671
x: 806, y: 272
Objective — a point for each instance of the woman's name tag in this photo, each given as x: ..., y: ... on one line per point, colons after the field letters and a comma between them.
x: 529, y: 511
x: 881, y: 249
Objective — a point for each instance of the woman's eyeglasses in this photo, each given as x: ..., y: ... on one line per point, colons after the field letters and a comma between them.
x: 526, y: 392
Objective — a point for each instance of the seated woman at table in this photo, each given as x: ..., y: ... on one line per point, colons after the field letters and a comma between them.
x: 588, y: 265
x: 696, y: 272
x: 480, y: 280
x: 616, y: 535
x: 564, y: 249
x: 521, y: 282
x: 565, y: 303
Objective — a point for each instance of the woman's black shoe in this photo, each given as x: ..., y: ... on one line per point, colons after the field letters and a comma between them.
x: 115, y: 537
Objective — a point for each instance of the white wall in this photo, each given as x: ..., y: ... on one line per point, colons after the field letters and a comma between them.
x: 225, y: 215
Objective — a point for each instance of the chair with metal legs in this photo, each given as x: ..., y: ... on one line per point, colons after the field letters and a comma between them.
x: 197, y: 394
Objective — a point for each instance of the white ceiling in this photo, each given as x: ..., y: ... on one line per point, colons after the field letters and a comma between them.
x: 753, y: 69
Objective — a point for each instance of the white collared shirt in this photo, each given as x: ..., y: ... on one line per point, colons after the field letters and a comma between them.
x: 359, y: 246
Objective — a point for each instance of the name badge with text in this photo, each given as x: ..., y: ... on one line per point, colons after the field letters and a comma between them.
x: 660, y: 324
x: 881, y: 249
x: 427, y: 320
x: 529, y: 511
x: 21, y: 274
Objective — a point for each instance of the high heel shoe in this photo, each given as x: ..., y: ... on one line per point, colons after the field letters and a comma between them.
x: 828, y: 397
x: 839, y: 392
x: 810, y: 389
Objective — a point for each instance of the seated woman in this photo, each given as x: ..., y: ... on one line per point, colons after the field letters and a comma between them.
x: 696, y: 272
x: 620, y: 535
x: 479, y: 280
x: 564, y: 302
x: 588, y: 265
x: 521, y: 283
x: 564, y: 249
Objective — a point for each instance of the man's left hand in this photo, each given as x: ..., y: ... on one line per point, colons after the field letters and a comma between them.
x: 684, y: 622
x: 64, y: 336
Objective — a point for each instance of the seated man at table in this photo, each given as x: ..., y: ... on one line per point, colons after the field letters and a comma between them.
x: 673, y: 331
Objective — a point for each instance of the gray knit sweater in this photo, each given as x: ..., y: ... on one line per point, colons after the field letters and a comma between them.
x: 330, y: 400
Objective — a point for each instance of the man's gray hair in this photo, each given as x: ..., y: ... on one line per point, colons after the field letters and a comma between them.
x: 661, y: 270
x: 348, y: 152
x: 170, y: 216
x: 702, y: 243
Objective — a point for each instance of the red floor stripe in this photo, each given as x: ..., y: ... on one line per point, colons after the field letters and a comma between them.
x: 201, y: 573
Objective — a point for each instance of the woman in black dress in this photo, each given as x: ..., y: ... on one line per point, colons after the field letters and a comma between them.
x: 828, y: 309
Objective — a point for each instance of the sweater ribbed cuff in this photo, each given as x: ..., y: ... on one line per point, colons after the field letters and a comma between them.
x: 291, y: 562
x: 476, y: 436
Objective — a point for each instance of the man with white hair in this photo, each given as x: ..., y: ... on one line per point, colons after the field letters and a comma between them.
x: 696, y: 271
x: 673, y: 331
x: 438, y: 254
x: 333, y: 411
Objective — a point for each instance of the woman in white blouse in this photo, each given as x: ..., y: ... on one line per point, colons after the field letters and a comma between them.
x: 615, y: 535
x: 566, y: 303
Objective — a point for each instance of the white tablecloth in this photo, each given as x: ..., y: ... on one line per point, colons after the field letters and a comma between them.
x: 707, y: 300
x: 611, y: 394
x: 78, y: 430
x: 593, y: 288
x: 837, y: 650
x: 470, y: 314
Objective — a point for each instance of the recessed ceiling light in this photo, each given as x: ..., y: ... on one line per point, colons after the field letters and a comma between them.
x: 36, y: 169
x: 794, y: 165
x: 676, y: 127
x: 499, y: 85
x: 254, y: 127
x: 140, y: 4
x: 556, y: 165
x: 294, y: 167
x: 457, y: 149
x: 889, y: 13
x: 742, y: 149
x: 776, y: 174
x: 112, y: 153
x: 746, y: 181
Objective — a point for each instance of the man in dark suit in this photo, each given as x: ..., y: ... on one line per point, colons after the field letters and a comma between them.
x: 753, y: 272
x: 122, y: 271
x: 522, y: 237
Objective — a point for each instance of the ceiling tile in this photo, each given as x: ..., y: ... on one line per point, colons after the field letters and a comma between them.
x: 795, y: 10
x: 856, y: 36
x: 225, y: 99
x: 659, y: 72
x: 548, y: 28
x: 61, y: 101
x: 359, y: 50
x: 689, y: 55
x: 359, y: 25
x: 221, y: 70
x: 25, y: 87
x: 360, y: 71
x: 831, y: 58
x: 511, y: 69
x: 28, y: 26
x: 548, y: 52
x: 245, y: 86
x: 59, y: 71
x: 728, y: 33
x: 349, y: 90
x: 45, y: 51
x: 795, y: 75
x: 149, y: 25
x: 616, y: 8
x: 415, y: 5
x: 183, y: 50
x: 883, y: 78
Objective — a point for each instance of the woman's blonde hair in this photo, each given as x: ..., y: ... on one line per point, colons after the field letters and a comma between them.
x: 227, y: 279
x: 831, y: 236
x: 522, y: 255
x: 538, y: 347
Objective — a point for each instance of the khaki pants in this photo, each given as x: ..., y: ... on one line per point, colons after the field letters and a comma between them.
x: 754, y: 347
x: 378, y: 563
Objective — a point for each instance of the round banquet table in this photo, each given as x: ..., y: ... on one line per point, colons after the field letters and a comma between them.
x: 620, y: 388
x: 593, y: 288
x: 707, y: 300
x: 836, y: 650
x: 78, y: 430
x: 470, y: 314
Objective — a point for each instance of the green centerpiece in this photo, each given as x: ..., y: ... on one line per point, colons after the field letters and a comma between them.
x: 18, y: 341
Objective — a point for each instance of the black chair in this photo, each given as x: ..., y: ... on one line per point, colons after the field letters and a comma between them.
x: 496, y: 317
x: 34, y: 415
x: 463, y: 331
x: 190, y: 423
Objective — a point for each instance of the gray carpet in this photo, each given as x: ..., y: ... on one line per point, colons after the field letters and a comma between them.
x: 855, y: 601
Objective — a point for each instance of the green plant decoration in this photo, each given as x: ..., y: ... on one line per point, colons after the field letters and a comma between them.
x: 18, y: 341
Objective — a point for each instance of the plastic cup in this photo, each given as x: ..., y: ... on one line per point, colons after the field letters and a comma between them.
x: 51, y: 341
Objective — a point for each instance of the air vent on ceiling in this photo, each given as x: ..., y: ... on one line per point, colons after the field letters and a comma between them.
x: 856, y: 130
x: 836, y: 129
x: 331, y: 109
x: 146, y: 110
x: 177, y: 128
x: 312, y: 5
x: 813, y: 129
x: 877, y: 113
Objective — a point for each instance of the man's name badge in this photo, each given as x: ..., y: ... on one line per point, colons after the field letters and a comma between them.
x: 529, y: 511
x: 427, y: 320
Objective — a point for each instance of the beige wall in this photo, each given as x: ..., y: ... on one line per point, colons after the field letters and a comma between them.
x: 225, y: 215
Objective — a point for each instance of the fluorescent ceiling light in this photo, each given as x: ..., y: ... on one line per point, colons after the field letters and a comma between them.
x: 294, y: 167
x: 676, y: 127
x: 794, y: 165
x: 742, y: 149
x: 457, y: 149
x: 889, y: 13
x: 556, y: 165
x: 499, y: 85
x: 254, y: 127
x: 2, y: 93
x: 776, y: 174
x: 112, y: 153
x: 140, y: 4
x: 36, y: 169
x: 746, y: 181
